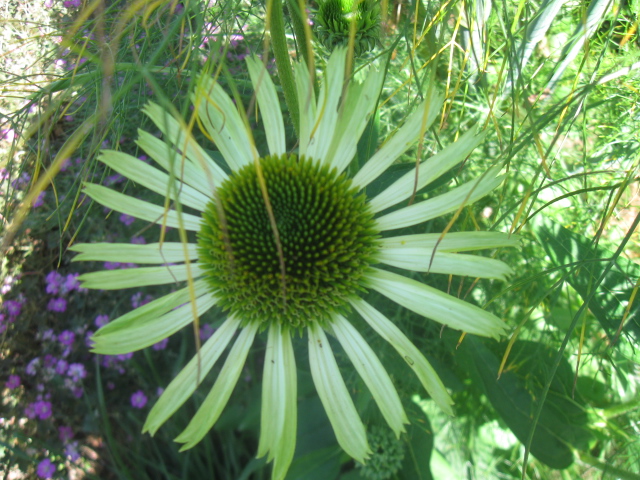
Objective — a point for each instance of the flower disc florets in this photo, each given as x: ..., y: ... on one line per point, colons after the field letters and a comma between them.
x: 324, y: 241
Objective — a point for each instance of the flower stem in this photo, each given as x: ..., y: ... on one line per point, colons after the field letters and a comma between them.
x: 281, y: 54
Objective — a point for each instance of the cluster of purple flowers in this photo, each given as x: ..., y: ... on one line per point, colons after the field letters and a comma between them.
x: 10, y: 311
x: 61, y: 286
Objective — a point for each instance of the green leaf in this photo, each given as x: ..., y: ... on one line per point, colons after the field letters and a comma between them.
x: 563, y: 421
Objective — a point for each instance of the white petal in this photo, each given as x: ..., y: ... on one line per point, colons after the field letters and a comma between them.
x: 217, y: 399
x: 269, y: 106
x: 372, y: 372
x: 434, y: 304
x: 355, y: 113
x: 149, y: 330
x: 423, y: 260
x: 153, y: 179
x: 428, y: 171
x: 140, y: 277
x: 223, y: 123
x: 168, y: 252
x: 407, y: 350
x: 183, y: 386
x: 452, y: 242
x: 327, y: 110
x: 335, y: 398
x: 306, y: 105
x: 140, y: 209
x: 451, y: 201
x: 418, y: 122
x: 176, y: 132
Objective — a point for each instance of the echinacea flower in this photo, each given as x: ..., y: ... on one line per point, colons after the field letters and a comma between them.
x: 287, y: 243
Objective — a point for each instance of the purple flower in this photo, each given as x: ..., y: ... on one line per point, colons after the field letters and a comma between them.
x: 48, y: 3
x: 111, y: 265
x: 127, y: 219
x: 65, y: 434
x: 62, y: 366
x: 22, y: 181
x: 138, y: 301
x: 76, y: 371
x: 113, y: 179
x: 46, y: 468
x: 32, y: 366
x: 71, y: 451
x: 206, y: 331
x: 13, y: 382
x: 67, y: 338
x: 72, y: 3
x: 124, y: 356
x: 49, y: 361
x: 42, y: 409
x: 161, y: 345
x: 138, y: 399
x: 48, y: 335
x: 13, y: 307
x: 57, y: 305
x: 101, y: 320
x: 70, y: 283
x: 139, y: 240
x: 39, y: 201
x: 54, y: 282
x: 30, y: 411
x: 7, y: 134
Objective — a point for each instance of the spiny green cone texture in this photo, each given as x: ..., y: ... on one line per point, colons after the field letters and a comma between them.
x: 334, y: 18
x: 326, y: 234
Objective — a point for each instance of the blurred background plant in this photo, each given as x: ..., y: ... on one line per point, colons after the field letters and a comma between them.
x: 554, y: 83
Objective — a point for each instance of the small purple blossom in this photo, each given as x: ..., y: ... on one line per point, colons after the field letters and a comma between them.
x: 30, y: 411
x: 138, y: 301
x: 13, y: 307
x: 161, y: 345
x: 139, y: 240
x: 13, y: 382
x: 138, y: 399
x: 62, y: 366
x: 22, y: 181
x: 111, y: 265
x: 71, y: 451
x: 39, y: 201
x: 127, y: 219
x: 32, y: 366
x: 206, y: 331
x: 70, y: 283
x: 57, y: 305
x: 101, y: 320
x: 76, y: 372
x: 67, y: 338
x: 42, y: 409
x: 54, y: 282
x: 65, y: 434
x: 72, y: 3
x: 46, y: 468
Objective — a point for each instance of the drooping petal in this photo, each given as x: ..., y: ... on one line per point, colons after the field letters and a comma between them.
x: 223, y: 123
x: 452, y: 242
x: 278, y: 417
x: 423, y: 260
x: 269, y: 106
x: 400, y: 142
x: 217, y: 399
x: 372, y: 372
x: 140, y: 209
x: 306, y: 105
x: 150, y: 330
x: 327, y: 109
x: 428, y: 171
x: 407, y: 350
x: 465, y: 194
x: 139, y: 277
x: 354, y: 115
x: 183, y: 386
x: 335, y: 398
x: 434, y: 304
x: 177, y: 133
x: 153, y: 179
x: 168, y: 252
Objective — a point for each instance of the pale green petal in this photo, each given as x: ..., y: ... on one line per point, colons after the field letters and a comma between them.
x: 176, y: 132
x: 306, y: 104
x: 153, y: 179
x: 139, y: 277
x: 452, y: 242
x: 278, y: 416
x: 327, y: 109
x: 223, y: 123
x: 408, y: 351
x: 372, y: 372
x: 287, y: 445
x: 155, y: 308
x: 269, y: 106
x: 168, y: 252
x: 190, y: 171
x: 451, y: 201
x: 428, y: 171
x: 183, y: 386
x: 140, y: 209
x: 423, y: 260
x: 217, y: 399
x: 335, y: 398
x: 434, y: 304
x: 355, y: 113
x: 149, y: 330
x: 400, y: 142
